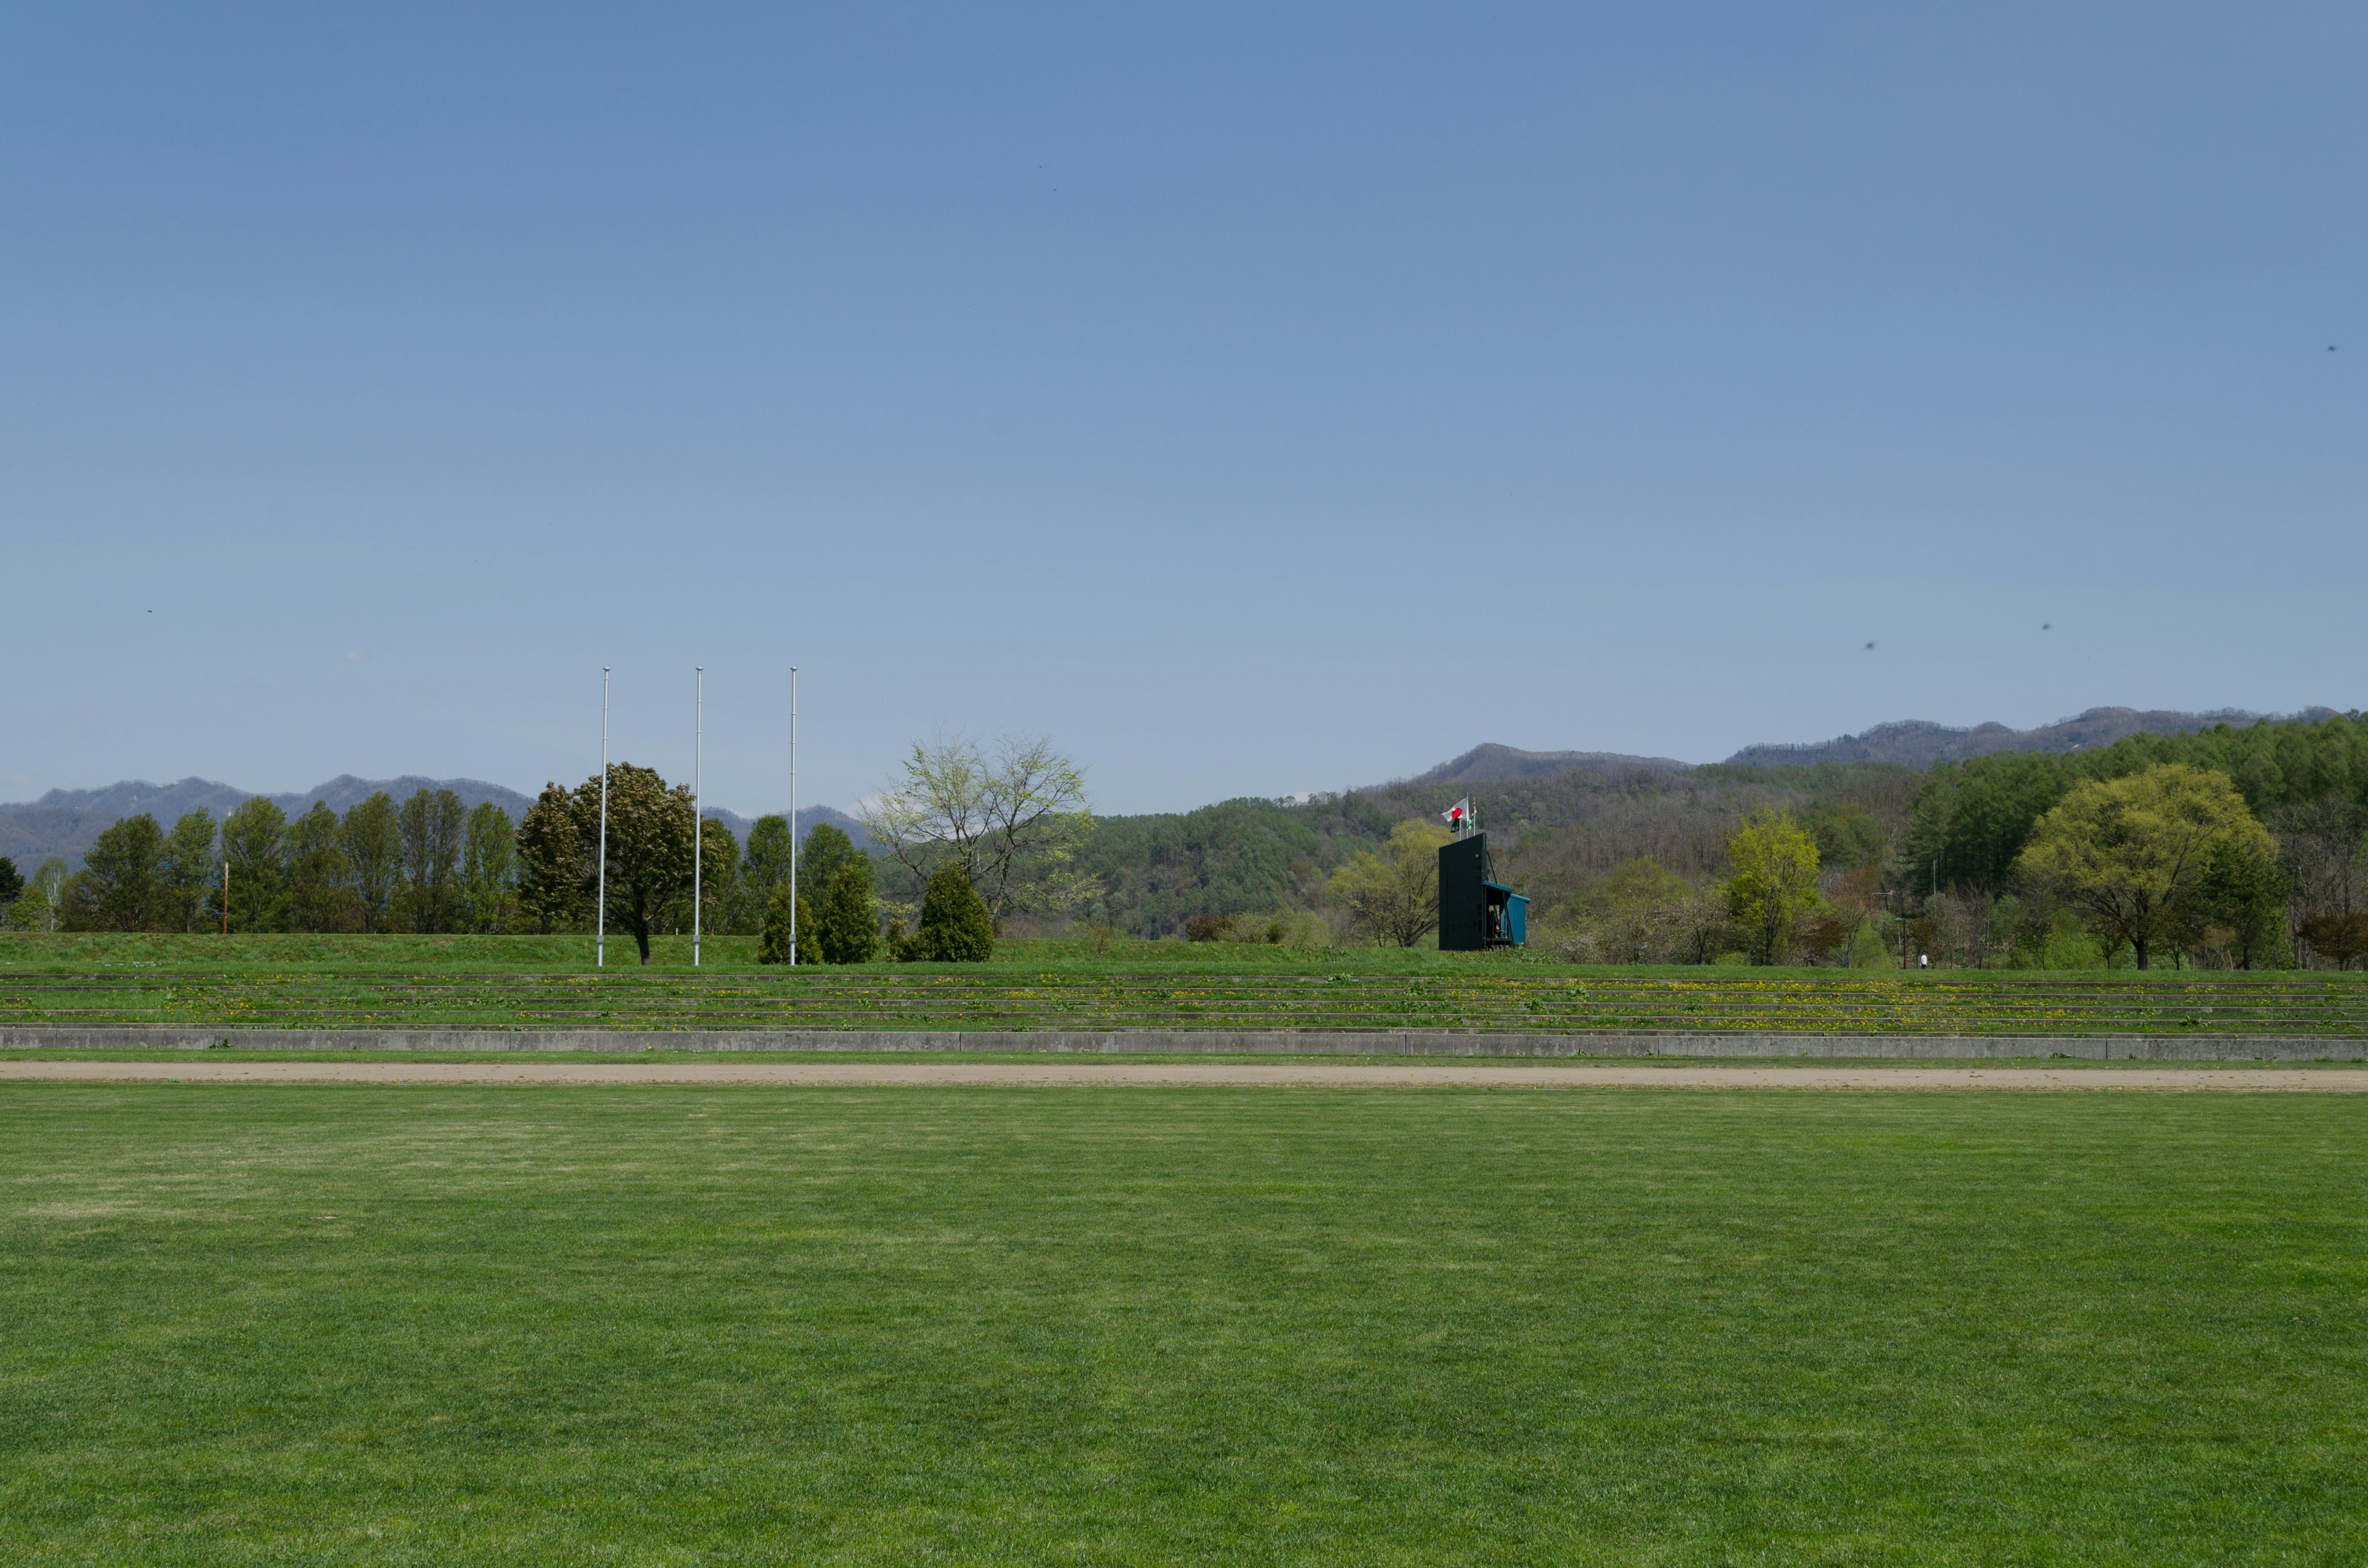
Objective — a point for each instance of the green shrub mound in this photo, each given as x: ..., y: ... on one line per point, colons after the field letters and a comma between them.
x: 773, y: 941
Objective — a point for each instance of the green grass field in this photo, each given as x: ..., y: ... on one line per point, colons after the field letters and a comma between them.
x: 248, y: 1325
x: 546, y: 983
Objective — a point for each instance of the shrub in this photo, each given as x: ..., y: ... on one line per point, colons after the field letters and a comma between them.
x: 848, y: 927
x: 954, y: 926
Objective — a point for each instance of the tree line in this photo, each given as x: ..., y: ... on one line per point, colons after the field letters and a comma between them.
x: 429, y: 865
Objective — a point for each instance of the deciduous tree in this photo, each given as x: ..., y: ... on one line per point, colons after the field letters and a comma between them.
x: 431, y: 824
x: 254, y: 841
x: 2129, y: 853
x: 1774, y: 882
x: 191, y: 874
x: 554, y: 863
x: 1013, y: 819
x: 488, y: 858
x: 649, y: 828
x: 1392, y: 895
x: 117, y: 888
x: 320, y: 877
x: 373, y: 841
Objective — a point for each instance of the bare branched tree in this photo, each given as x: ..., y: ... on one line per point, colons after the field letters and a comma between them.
x: 1013, y: 819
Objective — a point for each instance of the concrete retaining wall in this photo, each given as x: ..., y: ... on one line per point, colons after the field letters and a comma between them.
x: 1411, y: 1043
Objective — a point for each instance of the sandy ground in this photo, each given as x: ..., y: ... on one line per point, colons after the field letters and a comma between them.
x: 2242, y: 1079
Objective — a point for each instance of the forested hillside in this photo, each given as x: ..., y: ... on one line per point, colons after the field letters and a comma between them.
x: 1938, y: 843
x: 1553, y: 833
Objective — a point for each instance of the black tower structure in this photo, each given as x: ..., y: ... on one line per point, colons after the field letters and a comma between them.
x: 1475, y: 911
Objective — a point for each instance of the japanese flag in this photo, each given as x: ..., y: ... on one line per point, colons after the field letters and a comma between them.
x: 1458, y: 813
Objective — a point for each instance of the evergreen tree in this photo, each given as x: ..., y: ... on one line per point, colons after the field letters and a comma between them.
x: 719, y: 876
x: 764, y: 866
x: 255, y: 843
x: 955, y: 926
x: 823, y: 850
x: 773, y: 942
x: 320, y: 877
x: 848, y: 930
x: 552, y: 862
x: 373, y: 842
x: 12, y: 881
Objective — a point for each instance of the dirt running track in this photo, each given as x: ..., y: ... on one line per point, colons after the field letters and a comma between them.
x: 817, y: 1074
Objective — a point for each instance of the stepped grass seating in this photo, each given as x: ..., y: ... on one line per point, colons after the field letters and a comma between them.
x: 2003, y: 1002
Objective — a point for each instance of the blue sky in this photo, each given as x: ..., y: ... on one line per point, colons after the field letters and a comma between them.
x: 1256, y: 399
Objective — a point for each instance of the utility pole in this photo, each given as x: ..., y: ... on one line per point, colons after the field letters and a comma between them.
x: 793, y: 816
x: 600, y: 915
x: 698, y: 827
x: 225, y: 895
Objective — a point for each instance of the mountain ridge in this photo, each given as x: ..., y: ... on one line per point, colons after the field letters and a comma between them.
x: 1920, y: 743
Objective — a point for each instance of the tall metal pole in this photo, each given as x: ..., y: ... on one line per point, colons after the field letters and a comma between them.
x: 697, y: 826
x: 793, y: 816
x: 601, y: 917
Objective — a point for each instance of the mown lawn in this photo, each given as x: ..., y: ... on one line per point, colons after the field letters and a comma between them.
x: 666, y: 1325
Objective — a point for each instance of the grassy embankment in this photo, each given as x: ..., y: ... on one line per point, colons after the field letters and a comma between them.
x: 547, y: 983
x: 525, y: 1326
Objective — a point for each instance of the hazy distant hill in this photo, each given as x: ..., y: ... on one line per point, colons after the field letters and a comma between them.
x: 63, y: 822
x: 1490, y: 763
x: 1919, y: 743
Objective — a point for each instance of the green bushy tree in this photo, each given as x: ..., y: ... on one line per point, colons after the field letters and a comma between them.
x: 649, y: 837
x: 1775, y: 880
x: 553, y: 863
x: 954, y: 926
x: 117, y: 888
x: 2132, y: 853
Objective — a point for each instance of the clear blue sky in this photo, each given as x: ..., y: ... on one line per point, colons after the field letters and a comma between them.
x: 1256, y: 399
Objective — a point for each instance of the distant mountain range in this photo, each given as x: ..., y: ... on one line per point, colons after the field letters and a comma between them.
x: 1491, y: 762
x: 63, y: 822
x: 1918, y: 743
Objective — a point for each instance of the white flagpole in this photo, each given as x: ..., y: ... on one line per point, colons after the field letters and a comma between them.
x: 793, y: 816
x: 697, y: 828
x: 600, y: 916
